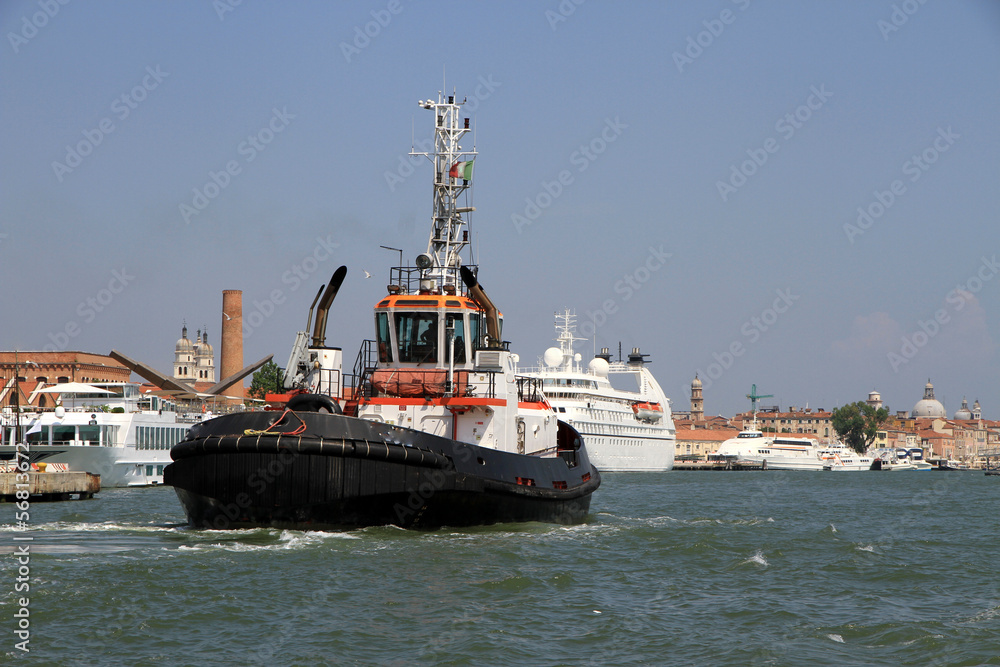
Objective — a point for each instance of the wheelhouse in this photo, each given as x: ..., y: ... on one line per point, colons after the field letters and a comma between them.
x: 428, y: 331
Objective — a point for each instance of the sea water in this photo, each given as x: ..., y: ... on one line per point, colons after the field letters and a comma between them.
x: 682, y: 568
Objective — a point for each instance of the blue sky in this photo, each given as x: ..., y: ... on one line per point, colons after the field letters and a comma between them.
x: 798, y: 195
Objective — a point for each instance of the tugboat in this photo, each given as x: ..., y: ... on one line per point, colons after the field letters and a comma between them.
x: 432, y: 428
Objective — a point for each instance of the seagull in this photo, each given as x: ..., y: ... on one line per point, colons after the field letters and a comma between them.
x: 367, y: 275
x: 227, y: 316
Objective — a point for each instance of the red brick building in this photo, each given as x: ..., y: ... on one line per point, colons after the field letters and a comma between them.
x: 36, y: 370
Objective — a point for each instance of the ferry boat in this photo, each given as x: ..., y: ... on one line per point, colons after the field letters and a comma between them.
x: 105, y: 428
x: 625, y: 429
x: 432, y: 428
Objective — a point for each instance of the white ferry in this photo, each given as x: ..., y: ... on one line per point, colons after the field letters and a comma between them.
x: 626, y: 429
x: 106, y: 428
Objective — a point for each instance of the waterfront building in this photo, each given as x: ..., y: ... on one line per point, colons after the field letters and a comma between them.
x: 805, y: 421
x: 36, y: 370
x: 697, y: 443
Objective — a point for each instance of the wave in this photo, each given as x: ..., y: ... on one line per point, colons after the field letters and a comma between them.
x: 757, y: 558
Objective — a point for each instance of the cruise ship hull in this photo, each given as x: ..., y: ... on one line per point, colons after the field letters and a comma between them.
x: 633, y: 454
x: 343, y: 472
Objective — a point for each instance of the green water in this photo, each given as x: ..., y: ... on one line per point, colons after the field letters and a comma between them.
x: 685, y: 568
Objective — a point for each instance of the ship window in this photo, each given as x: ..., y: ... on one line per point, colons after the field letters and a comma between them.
x: 417, y: 336
x: 474, y: 330
x: 382, y: 334
x: 90, y: 434
x: 456, y: 321
x: 38, y: 437
x: 62, y: 433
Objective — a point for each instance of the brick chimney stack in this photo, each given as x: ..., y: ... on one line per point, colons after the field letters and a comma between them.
x: 232, y: 338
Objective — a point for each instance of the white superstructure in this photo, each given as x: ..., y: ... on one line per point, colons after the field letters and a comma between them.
x: 127, y: 447
x: 625, y: 428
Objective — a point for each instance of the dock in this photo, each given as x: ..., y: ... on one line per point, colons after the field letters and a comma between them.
x: 719, y: 465
x: 47, y: 486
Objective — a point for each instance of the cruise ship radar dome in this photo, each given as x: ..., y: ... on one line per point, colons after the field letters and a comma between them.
x: 599, y: 367
x: 553, y: 356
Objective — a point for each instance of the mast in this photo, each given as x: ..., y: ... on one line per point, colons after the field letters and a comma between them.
x: 452, y: 175
x: 566, y: 337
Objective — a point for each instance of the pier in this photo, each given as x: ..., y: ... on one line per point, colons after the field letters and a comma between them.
x: 46, y: 486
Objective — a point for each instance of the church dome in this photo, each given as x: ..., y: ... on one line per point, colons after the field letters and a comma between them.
x: 963, y: 412
x: 695, y: 382
x: 929, y: 406
x: 205, y: 348
x: 183, y: 344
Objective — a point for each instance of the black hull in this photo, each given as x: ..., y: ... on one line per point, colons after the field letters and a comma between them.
x: 342, y: 472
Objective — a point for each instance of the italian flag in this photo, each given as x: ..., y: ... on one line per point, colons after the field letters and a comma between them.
x: 462, y: 170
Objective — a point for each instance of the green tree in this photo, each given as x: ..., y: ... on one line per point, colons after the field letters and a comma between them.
x: 267, y: 380
x: 857, y: 424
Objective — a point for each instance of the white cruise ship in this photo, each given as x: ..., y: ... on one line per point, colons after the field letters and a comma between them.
x: 617, y: 406
x: 106, y: 428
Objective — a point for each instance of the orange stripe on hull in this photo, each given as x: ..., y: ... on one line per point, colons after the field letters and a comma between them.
x: 446, y: 401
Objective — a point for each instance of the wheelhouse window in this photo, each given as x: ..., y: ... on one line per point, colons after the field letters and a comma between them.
x: 474, y: 330
x: 417, y: 336
x: 457, y: 321
x: 383, y: 339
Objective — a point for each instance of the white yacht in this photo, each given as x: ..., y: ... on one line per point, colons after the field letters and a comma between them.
x: 107, y: 428
x: 839, y: 456
x: 783, y: 452
x: 900, y: 459
x: 746, y: 445
x: 617, y: 406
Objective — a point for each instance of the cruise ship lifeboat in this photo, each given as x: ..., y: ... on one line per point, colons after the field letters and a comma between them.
x: 649, y: 412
